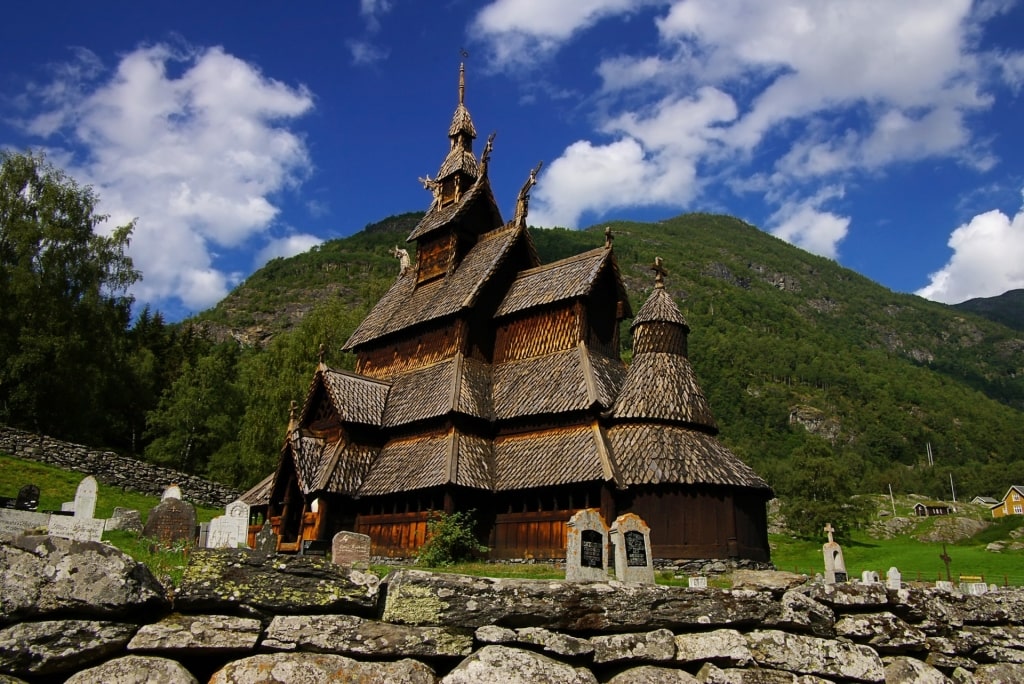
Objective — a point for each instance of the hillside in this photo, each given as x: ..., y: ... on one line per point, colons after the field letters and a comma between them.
x: 1007, y: 308
x: 786, y: 344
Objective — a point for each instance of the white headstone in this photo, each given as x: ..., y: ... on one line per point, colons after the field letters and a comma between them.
x: 632, y: 539
x: 869, y: 577
x: 698, y: 582
x: 944, y: 585
x: 586, y: 547
x: 231, y: 530
x: 172, y: 492
x: 974, y: 588
x: 893, y: 579
x: 835, y: 566
x: 13, y: 521
x: 68, y: 506
x: 85, y: 498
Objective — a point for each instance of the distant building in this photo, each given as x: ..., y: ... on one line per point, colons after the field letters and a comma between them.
x: 989, y: 501
x: 1012, y: 503
x: 928, y: 508
x: 488, y: 381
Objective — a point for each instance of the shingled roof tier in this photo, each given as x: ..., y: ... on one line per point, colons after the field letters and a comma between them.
x: 431, y: 460
x: 405, y: 305
x: 661, y: 386
x: 660, y: 454
x: 356, y: 398
x: 659, y: 307
x: 477, y: 199
x: 551, y: 457
x: 458, y: 385
x: 565, y: 279
x: 344, y: 467
x: 259, y: 493
x: 571, y: 380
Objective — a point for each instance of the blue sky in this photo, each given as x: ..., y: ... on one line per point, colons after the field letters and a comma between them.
x: 885, y: 134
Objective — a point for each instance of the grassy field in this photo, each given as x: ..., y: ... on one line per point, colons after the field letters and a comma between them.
x: 914, y: 558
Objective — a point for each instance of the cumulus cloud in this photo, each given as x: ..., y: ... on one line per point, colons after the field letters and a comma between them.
x: 286, y: 247
x: 988, y: 259
x: 817, y: 92
x: 805, y: 224
x: 195, y: 143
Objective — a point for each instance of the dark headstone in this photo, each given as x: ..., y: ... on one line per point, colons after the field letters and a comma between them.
x: 315, y: 547
x: 170, y: 521
x: 28, y: 498
x: 266, y: 540
x: 636, y: 549
x: 592, y: 549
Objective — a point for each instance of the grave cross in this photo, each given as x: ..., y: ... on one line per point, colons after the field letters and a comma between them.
x: 829, y: 529
x: 946, y: 559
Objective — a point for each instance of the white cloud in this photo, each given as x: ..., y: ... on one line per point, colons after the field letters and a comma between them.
x: 285, y: 247
x: 372, y: 10
x: 365, y: 52
x: 988, y: 259
x: 518, y: 32
x: 804, y: 223
x: 198, y: 156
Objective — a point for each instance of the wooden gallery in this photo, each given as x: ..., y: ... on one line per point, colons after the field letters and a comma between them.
x: 486, y: 380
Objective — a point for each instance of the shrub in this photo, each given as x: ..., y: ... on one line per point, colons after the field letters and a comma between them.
x: 451, y: 538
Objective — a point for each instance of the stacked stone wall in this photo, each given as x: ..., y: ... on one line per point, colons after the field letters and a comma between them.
x: 111, y: 468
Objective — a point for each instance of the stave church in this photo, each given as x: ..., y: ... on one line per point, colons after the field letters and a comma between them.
x: 487, y: 381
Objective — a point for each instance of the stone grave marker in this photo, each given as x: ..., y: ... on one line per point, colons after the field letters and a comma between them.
x: 893, y: 579
x: 869, y: 577
x: 632, y: 539
x: 698, y: 582
x: 125, y: 519
x: 172, y: 520
x: 835, y: 566
x: 586, y: 547
x: 944, y: 585
x: 231, y: 530
x: 13, y: 521
x: 68, y: 506
x: 85, y: 498
x: 204, y: 535
x: 351, y: 549
x: 76, y: 528
x: 266, y: 540
x: 315, y: 547
x: 974, y: 588
x: 28, y: 498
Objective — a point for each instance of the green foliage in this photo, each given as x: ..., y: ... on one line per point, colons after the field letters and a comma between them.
x: 65, y: 310
x: 451, y: 538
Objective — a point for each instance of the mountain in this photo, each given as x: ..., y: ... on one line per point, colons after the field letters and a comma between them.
x: 789, y: 347
x: 1007, y: 308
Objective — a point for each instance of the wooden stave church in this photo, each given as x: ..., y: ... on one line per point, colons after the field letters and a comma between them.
x: 487, y: 381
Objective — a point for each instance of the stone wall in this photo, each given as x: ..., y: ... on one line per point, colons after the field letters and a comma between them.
x: 243, y: 616
x: 112, y: 469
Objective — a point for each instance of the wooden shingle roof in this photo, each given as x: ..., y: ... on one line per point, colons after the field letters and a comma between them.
x: 659, y: 307
x: 552, y: 457
x: 259, y: 493
x: 565, y: 279
x: 406, y: 305
x: 344, y: 467
x: 658, y: 454
x: 431, y: 460
x: 663, y: 386
x: 477, y: 199
x: 454, y: 385
x: 571, y: 380
x: 356, y: 398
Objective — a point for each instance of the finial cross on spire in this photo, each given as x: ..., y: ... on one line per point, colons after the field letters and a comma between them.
x: 659, y: 273
x: 321, y: 353
x: 293, y: 410
x: 829, y: 529
x: 608, y: 237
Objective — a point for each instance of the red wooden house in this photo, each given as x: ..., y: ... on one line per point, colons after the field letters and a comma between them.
x: 488, y: 381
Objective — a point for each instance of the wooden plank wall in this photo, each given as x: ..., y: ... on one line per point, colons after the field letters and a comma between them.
x: 541, y: 332
x: 412, y: 352
x: 395, y: 535
x: 535, y: 534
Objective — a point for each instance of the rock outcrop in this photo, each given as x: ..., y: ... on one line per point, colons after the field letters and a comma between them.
x: 82, y: 612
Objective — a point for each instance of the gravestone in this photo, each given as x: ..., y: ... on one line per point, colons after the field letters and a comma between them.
x: 893, y: 579
x: 698, y: 582
x: 127, y: 519
x: 76, y: 528
x: 28, y: 498
x: 315, y: 547
x: 68, y: 506
x: 172, y: 520
x: 835, y: 566
x: 586, y: 547
x: 85, y: 498
x: 204, y: 535
x: 266, y: 540
x: 632, y: 542
x: 351, y: 549
x: 869, y: 577
x: 231, y: 530
x: 13, y: 521
x: 974, y: 588
x: 944, y: 585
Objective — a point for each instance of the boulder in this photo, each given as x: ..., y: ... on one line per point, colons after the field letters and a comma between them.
x: 884, y: 632
x: 49, y: 576
x: 710, y: 674
x: 656, y: 646
x: 772, y: 580
x: 198, y: 635
x: 347, y: 634
x: 652, y: 674
x: 553, y: 642
x: 999, y: 673
x: 506, y: 665
x: 800, y: 613
x: 904, y: 670
x: 316, y: 668
x: 416, y: 597
x: 811, y: 655
x: 847, y: 596
x: 261, y: 584
x: 723, y: 647
x: 55, y: 646
x: 134, y: 669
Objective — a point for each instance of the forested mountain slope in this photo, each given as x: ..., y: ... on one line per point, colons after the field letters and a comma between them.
x: 1007, y: 308
x: 798, y: 356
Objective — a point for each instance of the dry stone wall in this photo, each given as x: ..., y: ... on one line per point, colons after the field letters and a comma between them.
x: 83, y: 612
x: 113, y: 469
